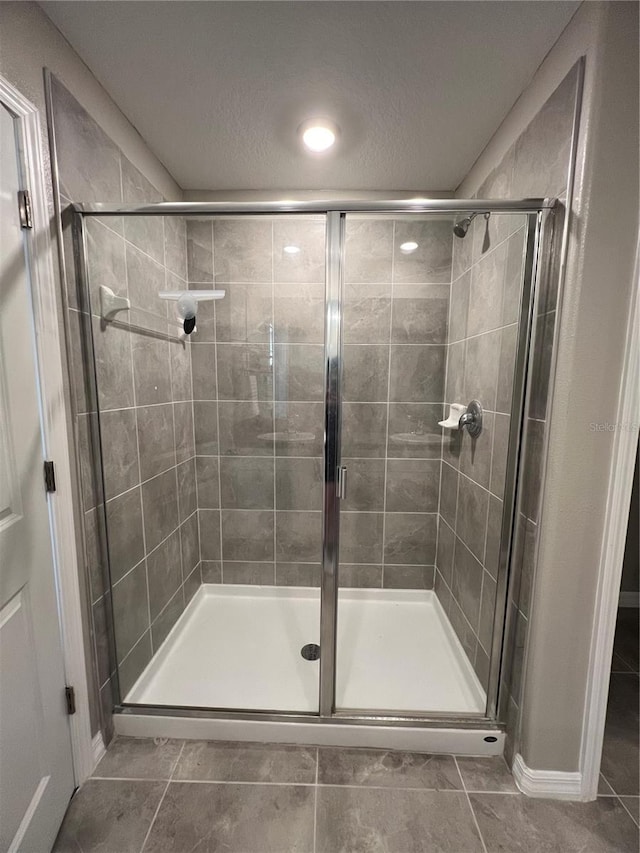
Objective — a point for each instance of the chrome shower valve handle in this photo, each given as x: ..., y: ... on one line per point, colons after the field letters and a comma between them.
x: 472, y: 419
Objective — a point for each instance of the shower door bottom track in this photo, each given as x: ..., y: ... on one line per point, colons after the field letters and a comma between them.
x: 247, y: 647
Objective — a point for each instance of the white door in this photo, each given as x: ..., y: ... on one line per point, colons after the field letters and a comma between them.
x: 36, y: 769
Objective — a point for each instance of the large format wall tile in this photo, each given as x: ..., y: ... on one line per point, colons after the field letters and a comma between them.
x: 200, y: 250
x: 88, y: 160
x: 420, y: 314
x: 412, y: 485
x: 431, y: 260
x: 369, y: 248
x: 417, y: 374
x: 299, y: 313
x: 164, y: 572
x: 245, y: 314
x: 247, y: 535
x: 156, y: 439
x: 114, y: 374
x: 365, y: 373
x: 130, y: 609
x: 124, y: 528
x: 244, y: 372
x: 367, y: 313
x: 119, y: 451
x: 242, y: 250
x: 299, y: 536
x: 410, y: 538
x: 299, y: 484
x: 160, y: 507
x: 361, y: 537
x: 306, y: 235
x: 365, y: 484
x: 247, y: 483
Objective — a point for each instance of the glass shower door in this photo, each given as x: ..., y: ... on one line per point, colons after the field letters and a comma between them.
x: 211, y: 447
x: 430, y: 319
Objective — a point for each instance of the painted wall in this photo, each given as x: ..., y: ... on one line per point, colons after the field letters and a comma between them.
x: 547, y: 726
x: 28, y: 43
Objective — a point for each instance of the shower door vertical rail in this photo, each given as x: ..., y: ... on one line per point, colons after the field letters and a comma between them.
x: 332, y: 458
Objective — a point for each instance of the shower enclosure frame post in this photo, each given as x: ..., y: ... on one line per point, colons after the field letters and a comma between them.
x: 515, y: 460
x: 335, y: 229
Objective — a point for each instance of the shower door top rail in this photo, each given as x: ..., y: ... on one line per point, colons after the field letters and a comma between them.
x: 416, y: 205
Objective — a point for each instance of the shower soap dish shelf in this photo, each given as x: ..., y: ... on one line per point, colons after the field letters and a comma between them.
x: 453, y: 419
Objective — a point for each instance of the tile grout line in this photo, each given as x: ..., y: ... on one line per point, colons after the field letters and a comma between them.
x: 218, y: 456
x: 315, y: 801
x: 305, y: 785
x: 142, y: 513
x: 388, y: 406
x: 473, y: 814
x: 164, y: 793
x: 155, y: 815
x: 175, y: 448
x: 624, y: 806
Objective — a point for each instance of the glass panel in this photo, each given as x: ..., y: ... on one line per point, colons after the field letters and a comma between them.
x: 212, y: 453
x: 430, y: 320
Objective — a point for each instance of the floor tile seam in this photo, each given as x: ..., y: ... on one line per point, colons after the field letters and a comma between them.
x: 305, y: 785
x: 315, y: 800
x: 468, y: 799
x: 623, y: 804
x: 155, y: 815
x: 177, y: 761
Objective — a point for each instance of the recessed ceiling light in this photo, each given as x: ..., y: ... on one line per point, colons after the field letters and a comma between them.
x: 318, y: 134
x: 408, y: 247
x: 292, y: 250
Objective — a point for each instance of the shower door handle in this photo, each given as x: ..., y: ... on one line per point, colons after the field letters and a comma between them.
x: 341, y: 483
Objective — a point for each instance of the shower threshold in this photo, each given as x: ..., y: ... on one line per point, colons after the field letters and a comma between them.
x: 240, y: 647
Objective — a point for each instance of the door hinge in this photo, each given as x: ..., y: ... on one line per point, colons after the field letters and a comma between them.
x: 24, y: 206
x: 70, y: 696
x: 49, y: 476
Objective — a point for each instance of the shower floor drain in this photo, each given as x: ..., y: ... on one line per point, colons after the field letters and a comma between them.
x: 311, y: 651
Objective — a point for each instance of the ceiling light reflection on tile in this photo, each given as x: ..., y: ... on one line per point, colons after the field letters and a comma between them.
x: 408, y: 247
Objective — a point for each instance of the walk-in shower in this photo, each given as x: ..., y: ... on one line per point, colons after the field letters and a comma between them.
x: 292, y: 537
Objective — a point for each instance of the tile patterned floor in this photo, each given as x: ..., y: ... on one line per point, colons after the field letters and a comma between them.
x: 620, y: 768
x: 179, y: 796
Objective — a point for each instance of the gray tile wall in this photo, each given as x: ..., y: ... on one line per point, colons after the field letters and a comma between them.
x: 483, y: 326
x: 537, y: 164
x: 142, y: 389
x: 396, y: 307
x: 258, y: 379
x: 258, y: 371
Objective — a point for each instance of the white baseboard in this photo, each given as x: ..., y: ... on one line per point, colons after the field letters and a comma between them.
x: 98, y: 748
x: 629, y: 599
x: 550, y: 784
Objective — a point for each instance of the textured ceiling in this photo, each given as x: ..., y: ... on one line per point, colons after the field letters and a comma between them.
x: 217, y: 89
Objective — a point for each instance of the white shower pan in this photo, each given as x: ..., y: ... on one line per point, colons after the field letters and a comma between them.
x: 239, y: 647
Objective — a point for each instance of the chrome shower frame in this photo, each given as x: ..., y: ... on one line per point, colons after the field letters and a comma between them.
x: 537, y: 211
